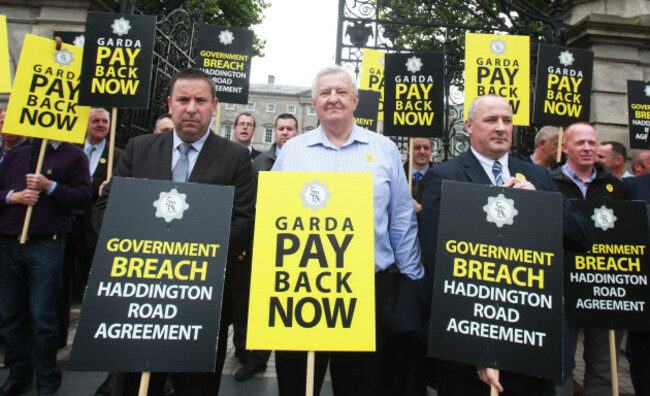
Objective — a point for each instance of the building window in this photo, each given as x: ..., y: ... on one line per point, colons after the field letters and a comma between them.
x: 311, y: 111
x: 270, y: 108
x: 250, y: 107
x: 230, y: 106
x: 226, y: 131
x: 268, y: 135
x: 291, y: 109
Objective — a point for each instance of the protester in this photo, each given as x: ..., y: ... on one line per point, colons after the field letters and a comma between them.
x: 31, y: 273
x: 545, y: 153
x: 164, y: 123
x: 339, y: 145
x: 581, y: 177
x: 641, y: 163
x: 9, y: 141
x: 286, y: 127
x: 422, y: 150
x: 613, y: 155
x: 193, y: 153
x: 244, y: 131
x: 489, y: 123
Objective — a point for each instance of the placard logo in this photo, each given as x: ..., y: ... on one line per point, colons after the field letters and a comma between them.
x: 414, y: 64
x: 121, y: 26
x: 79, y: 41
x: 603, y: 218
x: 500, y: 210
x: 63, y: 57
x: 566, y: 58
x: 226, y: 37
x: 498, y: 47
x: 647, y: 90
x: 315, y: 195
x: 171, y: 205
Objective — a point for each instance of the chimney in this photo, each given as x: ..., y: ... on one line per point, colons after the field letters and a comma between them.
x: 271, y: 79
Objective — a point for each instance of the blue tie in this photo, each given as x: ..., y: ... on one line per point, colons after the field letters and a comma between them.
x: 179, y: 173
x: 417, y: 176
x: 498, y: 175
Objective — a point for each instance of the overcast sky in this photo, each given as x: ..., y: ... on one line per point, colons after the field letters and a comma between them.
x: 300, y: 40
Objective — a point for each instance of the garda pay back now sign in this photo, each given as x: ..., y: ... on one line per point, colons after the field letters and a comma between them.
x: 312, y: 283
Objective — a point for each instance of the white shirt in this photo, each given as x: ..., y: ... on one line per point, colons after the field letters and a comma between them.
x: 95, y: 155
x: 192, y: 153
x: 487, y: 164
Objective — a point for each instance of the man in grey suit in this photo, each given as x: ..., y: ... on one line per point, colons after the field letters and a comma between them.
x: 192, y: 152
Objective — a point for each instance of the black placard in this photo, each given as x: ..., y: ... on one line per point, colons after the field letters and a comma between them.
x: 413, y: 94
x: 225, y: 54
x: 74, y: 38
x: 638, y: 110
x: 563, y: 85
x: 497, y: 297
x: 365, y: 115
x: 608, y: 286
x: 118, y: 54
x: 176, y: 269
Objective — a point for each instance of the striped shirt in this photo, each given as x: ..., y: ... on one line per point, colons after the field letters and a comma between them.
x: 396, y: 238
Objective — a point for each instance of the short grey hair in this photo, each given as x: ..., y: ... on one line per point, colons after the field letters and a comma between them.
x: 471, y: 110
x: 546, y: 134
x: 101, y: 110
x: 335, y: 69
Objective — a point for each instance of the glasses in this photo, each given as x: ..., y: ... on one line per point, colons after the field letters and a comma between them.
x: 246, y: 124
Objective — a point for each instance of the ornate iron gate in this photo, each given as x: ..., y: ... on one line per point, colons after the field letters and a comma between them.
x: 437, y: 25
x: 176, y: 35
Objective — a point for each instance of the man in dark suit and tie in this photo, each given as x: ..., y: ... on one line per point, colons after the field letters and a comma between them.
x: 193, y: 153
x: 489, y: 123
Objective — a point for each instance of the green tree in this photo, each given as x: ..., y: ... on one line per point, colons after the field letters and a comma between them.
x: 234, y: 13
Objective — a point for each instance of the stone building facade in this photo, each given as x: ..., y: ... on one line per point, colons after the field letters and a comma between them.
x: 266, y: 102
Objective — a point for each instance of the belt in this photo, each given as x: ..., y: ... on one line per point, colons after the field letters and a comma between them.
x: 37, y: 237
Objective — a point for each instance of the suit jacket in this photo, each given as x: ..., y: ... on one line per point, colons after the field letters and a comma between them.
x: 637, y: 188
x: 578, y: 232
x: 220, y: 162
x: 254, y: 153
x: 98, y: 177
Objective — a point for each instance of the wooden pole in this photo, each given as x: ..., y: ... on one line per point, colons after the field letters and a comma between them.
x: 111, y: 144
x: 493, y: 390
x: 410, y: 165
x: 612, y: 362
x: 560, y: 136
x: 217, y: 119
x: 30, y: 209
x: 144, y: 383
x: 311, y: 357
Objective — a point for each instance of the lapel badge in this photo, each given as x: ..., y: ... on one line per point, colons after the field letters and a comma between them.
x: 48, y: 172
x: 610, y: 188
x: 102, y: 160
x: 520, y: 176
x: 370, y: 157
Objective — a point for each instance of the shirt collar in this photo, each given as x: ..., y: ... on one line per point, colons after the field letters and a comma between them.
x: 485, y: 161
x: 55, y: 144
x: 197, y: 145
x: 319, y: 137
x: 568, y: 170
x: 98, y: 147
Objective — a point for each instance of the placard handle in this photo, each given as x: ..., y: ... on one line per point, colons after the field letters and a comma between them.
x: 30, y: 209
x: 493, y: 389
x: 560, y: 136
x: 111, y: 144
x: 144, y: 383
x: 612, y: 362
x: 311, y: 357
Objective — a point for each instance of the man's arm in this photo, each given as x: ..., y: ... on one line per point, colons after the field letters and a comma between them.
x: 429, y: 217
x: 243, y: 207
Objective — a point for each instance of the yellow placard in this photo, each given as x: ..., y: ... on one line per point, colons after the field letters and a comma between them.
x: 43, y: 102
x: 5, y: 67
x: 499, y: 65
x: 372, y: 75
x: 312, y: 283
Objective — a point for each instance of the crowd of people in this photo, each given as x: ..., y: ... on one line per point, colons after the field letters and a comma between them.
x: 39, y: 278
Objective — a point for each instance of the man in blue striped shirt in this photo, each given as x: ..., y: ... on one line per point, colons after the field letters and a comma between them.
x: 339, y: 145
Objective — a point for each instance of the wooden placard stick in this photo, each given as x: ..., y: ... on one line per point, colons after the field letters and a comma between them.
x: 311, y: 357
x: 493, y: 389
x: 560, y: 136
x: 410, y: 175
x: 612, y: 362
x: 111, y: 144
x: 217, y: 119
x: 144, y: 383
x: 30, y: 209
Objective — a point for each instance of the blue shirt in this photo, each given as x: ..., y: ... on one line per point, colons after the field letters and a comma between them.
x: 583, y: 185
x: 396, y: 238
